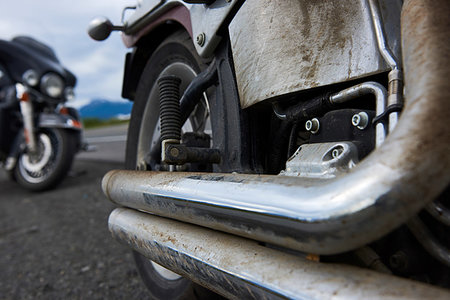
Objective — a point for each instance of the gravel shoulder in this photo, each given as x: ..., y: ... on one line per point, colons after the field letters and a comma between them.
x: 56, y: 244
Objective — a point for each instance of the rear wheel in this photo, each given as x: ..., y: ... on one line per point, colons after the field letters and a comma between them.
x: 175, y: 56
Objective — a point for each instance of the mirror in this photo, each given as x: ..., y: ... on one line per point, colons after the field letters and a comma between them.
x: 100, y: 28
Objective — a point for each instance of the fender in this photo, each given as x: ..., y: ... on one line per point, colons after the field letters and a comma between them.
x: 53, y: 120
x: 145, y: 31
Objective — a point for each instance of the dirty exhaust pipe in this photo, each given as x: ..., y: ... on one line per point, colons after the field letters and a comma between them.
x: 239, y: 268
x: 329, y: 216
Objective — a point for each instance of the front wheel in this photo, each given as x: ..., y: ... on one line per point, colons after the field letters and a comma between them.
x: 51, y: 162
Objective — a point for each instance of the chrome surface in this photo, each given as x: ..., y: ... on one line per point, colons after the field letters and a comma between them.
x: 395, y: 90
x: 167, y: 274
x: 30, y: 77
x: 425, y: 32
x: 100, y: 28
x: 322, y: 160
x: 328, y: 216
x: 360, y: 120
x: 383, y: 46
x: 33, y: 165
x: 54, y: 120
x: 311, y: 43
x: 276, y: 109
x: 26, y: 110
x: 428, y: 241
x: 239, y: 268
x: 395, y: 93
x: 205, y: 19
x: 52, y: 84
x: 439, y: 212
x: 312, y: 125
x: 359, y: 90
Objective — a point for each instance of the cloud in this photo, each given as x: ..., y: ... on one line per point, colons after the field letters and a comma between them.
x: 62, y: 25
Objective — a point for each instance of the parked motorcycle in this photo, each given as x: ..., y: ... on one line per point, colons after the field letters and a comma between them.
x: 39, y: 135
x: 286, y: 149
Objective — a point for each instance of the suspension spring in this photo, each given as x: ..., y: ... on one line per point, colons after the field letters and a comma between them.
x: 169, y: 106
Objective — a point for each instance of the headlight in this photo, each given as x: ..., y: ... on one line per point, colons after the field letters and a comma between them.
x: 30, y: 77
x: 52, y: 85
x: 69, y: 93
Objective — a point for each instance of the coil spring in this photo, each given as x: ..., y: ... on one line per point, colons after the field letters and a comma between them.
x: 169, y: 106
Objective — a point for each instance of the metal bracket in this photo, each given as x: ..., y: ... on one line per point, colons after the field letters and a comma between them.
x: 322, y: 160
x: 207, y: 20
x: 179, y: 154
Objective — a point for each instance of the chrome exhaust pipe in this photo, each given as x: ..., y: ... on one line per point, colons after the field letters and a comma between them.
x: 240, y: 268
x: 329, y: 216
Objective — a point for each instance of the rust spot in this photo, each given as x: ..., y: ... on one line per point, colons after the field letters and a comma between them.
x: 313, y: 257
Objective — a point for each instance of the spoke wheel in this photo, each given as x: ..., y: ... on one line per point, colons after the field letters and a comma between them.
x: 175, y: 56
x: 51, y: 162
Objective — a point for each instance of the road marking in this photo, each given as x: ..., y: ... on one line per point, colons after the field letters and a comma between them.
x: 106, y: 139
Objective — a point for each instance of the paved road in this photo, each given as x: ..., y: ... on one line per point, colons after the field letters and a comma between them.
x: 56, y: 245
x: 109, y: 141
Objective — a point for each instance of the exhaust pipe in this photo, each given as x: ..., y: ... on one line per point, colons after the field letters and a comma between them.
x: 390, y: 186
x: 239, y: 268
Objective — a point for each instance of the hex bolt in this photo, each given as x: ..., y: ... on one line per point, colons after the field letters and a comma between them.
x: 312, y: 125
x: 360, y: 120
x: 174, y: 152
x: 201, y: 38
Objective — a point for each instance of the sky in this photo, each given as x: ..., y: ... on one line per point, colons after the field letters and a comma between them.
x: 62, y: 24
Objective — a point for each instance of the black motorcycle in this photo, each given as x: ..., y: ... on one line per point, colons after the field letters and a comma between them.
x: 39, y: 135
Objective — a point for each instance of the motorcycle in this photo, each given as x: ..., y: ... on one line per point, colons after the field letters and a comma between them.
x: 39, y: 135
x: 286, y: 149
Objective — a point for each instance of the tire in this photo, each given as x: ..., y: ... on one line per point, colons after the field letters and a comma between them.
x: 56, y: 152
x: 175, y: 56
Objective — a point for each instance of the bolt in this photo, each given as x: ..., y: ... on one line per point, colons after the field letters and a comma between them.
x: 336, y: 152
x: 360, y: 120
x: 312, y: 125
x: 201, y: 39
x: 174, y: 152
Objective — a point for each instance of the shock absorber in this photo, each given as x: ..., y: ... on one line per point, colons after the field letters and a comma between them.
x: 172, y: 152
x: 169, y: 107
x: 170, y: 115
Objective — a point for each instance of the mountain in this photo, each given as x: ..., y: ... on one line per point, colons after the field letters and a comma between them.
x: 106, y: 109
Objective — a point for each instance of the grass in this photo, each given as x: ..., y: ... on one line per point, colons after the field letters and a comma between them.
x: 96, y: 123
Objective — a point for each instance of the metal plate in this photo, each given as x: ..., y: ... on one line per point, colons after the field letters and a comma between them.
x: 206, y: 19
x: 281, y: 47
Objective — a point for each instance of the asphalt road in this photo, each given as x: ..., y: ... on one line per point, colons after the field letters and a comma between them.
x: 56, y: 245
x: 109, y: 141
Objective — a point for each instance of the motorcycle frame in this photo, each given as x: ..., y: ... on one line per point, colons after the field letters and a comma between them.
x: 411, y: 154
x: 390, y: 185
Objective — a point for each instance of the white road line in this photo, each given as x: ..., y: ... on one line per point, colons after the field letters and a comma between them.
x: 106, y: 139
